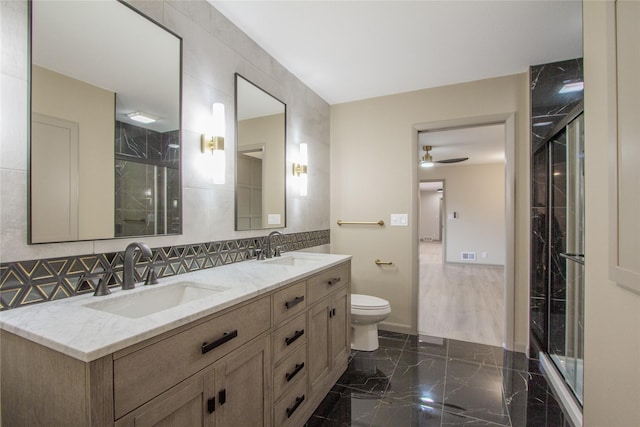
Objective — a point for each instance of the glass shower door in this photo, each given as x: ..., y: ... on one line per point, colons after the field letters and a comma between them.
x: 566, y: 314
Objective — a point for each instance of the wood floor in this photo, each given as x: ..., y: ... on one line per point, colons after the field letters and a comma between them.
x: 460, y: 301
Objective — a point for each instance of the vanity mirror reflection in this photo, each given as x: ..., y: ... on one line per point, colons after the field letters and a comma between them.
x: 97, y: 170
x: 260, y: 158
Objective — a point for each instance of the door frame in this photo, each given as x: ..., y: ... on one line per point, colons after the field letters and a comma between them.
x: 509, y: 122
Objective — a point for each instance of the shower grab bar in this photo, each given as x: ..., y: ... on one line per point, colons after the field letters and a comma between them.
x: 380, y: 223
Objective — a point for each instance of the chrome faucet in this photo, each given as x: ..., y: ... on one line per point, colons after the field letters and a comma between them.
x: 128, y: 280
x: 269, y: 252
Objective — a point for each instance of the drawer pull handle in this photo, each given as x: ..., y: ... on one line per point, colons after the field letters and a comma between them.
x: 291, y: 410
x: 211, y: 405
x: 298, y: 368
x: 334, y: 280
x: 294, y: 302
x: 227, y: 336
x: 295, y: 336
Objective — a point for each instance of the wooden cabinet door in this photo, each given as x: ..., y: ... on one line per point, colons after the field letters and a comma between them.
x: 319, y: 343
x: 180, y: 406
x: 243, y: 387
x: 340, y: 328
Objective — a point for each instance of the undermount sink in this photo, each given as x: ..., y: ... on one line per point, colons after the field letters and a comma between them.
x: 291, y: 260
x: 154, y: 300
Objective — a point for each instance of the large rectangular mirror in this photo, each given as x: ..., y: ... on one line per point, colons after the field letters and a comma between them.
x: 260, y: 158
x: 97, y: 170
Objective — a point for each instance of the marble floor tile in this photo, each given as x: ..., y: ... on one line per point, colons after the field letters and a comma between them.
x: 345, y: 407
x: 427, y: 345
x: 371, y: 371
x: 440, y: 382
x: 418, y: 378
x: 531, y: 401
x: 475, y: 390
x: 402, y: 413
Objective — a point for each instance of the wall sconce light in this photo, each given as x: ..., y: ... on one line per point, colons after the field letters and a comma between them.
x: 215, y: 143
x: 299, y: 170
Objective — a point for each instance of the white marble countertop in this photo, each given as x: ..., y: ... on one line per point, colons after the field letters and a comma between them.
x: 87, y: 334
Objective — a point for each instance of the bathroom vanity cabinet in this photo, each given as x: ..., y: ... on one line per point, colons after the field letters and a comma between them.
x: 266, y: 361
x: 329, y: 325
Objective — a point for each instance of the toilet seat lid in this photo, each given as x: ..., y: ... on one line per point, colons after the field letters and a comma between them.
x: 368, y: 302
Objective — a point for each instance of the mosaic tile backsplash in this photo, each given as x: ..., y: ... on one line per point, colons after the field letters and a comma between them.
x: 28, y: 282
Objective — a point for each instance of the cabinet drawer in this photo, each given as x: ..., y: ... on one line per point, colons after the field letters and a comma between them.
x: 287, y: 411
x: 144, y: 374
x: 289, y: 302
x: 289, y: 371
x: 288, y: 337
x: 322, y: 284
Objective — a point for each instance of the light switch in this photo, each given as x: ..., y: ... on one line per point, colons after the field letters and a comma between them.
x: 399, y: 220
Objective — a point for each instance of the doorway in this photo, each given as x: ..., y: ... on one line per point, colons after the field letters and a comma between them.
x: 486, y: 275
x: 431, y: 222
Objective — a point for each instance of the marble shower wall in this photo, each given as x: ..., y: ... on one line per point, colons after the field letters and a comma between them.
x: 548, y: 192
x: 213, y: 49
x: 548, y: 106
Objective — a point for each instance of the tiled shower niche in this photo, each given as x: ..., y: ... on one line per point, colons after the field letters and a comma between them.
x: 34, y: 281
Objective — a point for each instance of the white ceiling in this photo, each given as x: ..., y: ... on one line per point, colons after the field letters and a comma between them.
x: 351, y: 50
x: 481, y: 144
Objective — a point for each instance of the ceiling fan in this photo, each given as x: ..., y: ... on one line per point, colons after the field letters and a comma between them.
x: 427, y: 161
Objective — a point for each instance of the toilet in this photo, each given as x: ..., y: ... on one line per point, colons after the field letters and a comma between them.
x: 366, y: 312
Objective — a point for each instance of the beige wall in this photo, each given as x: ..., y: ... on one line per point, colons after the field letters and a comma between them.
x: 612, y: 314
x: 374, y: 158
x: 477, y: 194
x: 92, y: 108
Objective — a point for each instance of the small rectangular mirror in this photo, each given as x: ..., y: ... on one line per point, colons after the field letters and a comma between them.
x: 260, y: 158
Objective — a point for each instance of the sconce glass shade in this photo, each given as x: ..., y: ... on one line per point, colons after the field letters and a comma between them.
x: 219, y: 167
x: 303, y: 185
x: 300, y: 170
x: 215, y: 143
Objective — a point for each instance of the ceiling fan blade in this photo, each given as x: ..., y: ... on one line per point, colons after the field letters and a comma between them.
x: 455, y: 160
